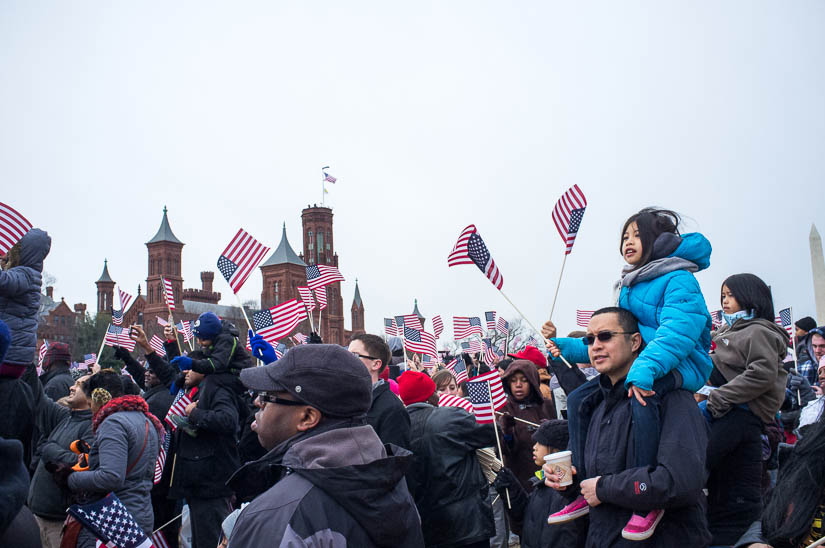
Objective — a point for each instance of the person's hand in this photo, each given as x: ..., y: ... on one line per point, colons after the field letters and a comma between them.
x: 795, y: 382
x: 508, y: 422
x: 190, y: 407
x: 817, y: 390
x: 640, y: 394
x: 184, y: 363
x: 60, y: 472
x: 548, y: 330
x: 759, y: 545
x: 315, y: 338
x: 551, y: 479
x: 137, y: 334
x: 169, y: 333
x: 122, y: 354
x: 588, y: 488
x: 552, y: 348
x: 261, y: 349
x: 504, y: 480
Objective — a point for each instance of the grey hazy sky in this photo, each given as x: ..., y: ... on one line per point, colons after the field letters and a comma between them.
x: 432, y: 115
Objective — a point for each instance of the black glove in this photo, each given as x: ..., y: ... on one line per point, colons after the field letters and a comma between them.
x: 507, y: 484
x: 504, y: 480
x: 122, y: 354
x: 60, y: 471
x: 508, y: 423
x: 315, y: 338
x: 795, y: 382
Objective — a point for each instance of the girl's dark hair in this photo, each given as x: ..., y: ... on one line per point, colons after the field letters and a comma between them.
x: 105, y: 378
x: 652, y: 222
x: 752, y: 294
x: 788, y: 515
x: 442, y: 378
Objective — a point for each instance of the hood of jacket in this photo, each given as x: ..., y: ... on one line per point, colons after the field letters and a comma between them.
x: 805, y: 345
x: 694, y: 248
x: 529, y: 370
x: 692, y: 254
x: 34, y: 246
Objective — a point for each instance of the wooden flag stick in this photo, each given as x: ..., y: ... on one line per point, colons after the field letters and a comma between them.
x: 546, y: 341
x: 498, y: 441
x: 820, y: 542
x: 240, y: 304
x: 558, y: 285
x: 520, y: 420
x: 100, y: 351
x: 174, y: 329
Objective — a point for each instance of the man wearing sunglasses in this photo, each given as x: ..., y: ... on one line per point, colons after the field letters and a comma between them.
x: 616, y: 488
x: 327, y: 478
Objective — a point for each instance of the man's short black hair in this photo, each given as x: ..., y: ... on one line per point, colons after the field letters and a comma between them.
x: 107, y: 379
x: 376, y: 347
x: 627, y: 321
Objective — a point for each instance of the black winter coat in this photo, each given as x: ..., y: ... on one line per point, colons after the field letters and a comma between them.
x: 225, y: 354
x: 446, y: 481
x: 388, y: 417
x: 675, y: 484
x: 532, y: 511
x: 57, y: 381
x: 17, y: 418
x: 158, y: 398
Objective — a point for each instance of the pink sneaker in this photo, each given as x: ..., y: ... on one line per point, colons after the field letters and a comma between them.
x: 575, y: 509
x: 642, y: 527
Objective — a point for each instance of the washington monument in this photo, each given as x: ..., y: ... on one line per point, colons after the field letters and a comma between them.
x: 818, y: 268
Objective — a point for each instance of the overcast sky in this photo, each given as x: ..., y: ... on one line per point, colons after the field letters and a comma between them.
x: 432, y: 115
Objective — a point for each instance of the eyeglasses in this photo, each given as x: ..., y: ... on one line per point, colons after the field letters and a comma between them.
x: 357, y: 355
x: 269, y: 398
x: 604, y: 336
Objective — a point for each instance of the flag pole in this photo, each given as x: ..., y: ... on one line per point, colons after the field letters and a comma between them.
x: 558, y: 285
x: 498, y: 441
x: 103, y: 342
x: 174, y: 328
x: 533, y: 327
x: 795, y: 363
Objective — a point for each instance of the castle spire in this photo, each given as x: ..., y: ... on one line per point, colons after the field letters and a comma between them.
x: 165, y: 233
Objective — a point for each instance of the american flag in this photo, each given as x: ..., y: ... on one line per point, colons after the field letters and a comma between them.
x: 280, y: 350
x: 516, y: 340
x: 111, y: 522
x: 420, y: 341
x: 13, y: 226
x: 583, y: 317
x: 412, y: 321
x: 118, y: 336
x: 785, y: 319
x: 117, y: 317
x: 161, y: 321
x: 158, y: 540
x: 279, y: 321
x: 716, y: 319
x: 178, y: 408
x: 471, y: 347
x: 240, y: 258
x: 503, y: 326
x: 329, y: 178
x: 428, y: 361
x: 186, y: 329
x: 300, y: 338
x: 42, y: 353
x: 125, y: 299
x: 399, y: 322
x: 321, y: 297
x: 479, y: 393
x: 490, y: 318
x: 164, y: 447
x: 438, y: 325
x: 390, y: 328
x: 168, y: 294
x: 320, y: 275
x: 464, y: 326
x: 458, y: 369
x: 88, y: 360
x: 489, y: 352
x: 568, y: 215
x: 446, y: 400
x: 470, y: 249
x: 306, y: 296
x: 157, y: 344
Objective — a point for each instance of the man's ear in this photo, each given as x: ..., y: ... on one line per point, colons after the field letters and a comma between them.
x: 309, y: 419
x: 636, y: 342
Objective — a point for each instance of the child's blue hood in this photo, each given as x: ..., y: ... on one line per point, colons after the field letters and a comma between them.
x: 694, y: 248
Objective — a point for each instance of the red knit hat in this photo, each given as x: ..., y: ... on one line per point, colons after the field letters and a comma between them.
x: 415, y: 387
x: 531, y: 353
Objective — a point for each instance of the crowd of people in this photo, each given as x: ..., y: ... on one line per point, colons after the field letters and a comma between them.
x: 680, y: 431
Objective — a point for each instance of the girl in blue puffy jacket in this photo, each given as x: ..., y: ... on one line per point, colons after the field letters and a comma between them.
x: 659, y: 288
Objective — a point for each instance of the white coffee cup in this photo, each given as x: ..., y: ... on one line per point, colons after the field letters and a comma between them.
x: 561, y: 465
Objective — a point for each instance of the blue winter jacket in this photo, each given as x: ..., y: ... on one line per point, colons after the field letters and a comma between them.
x: 673, y: 320
x: 20, y: 296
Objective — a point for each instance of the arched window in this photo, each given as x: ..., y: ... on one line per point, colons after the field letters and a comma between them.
x: 320, y: 246
x: 151, y: 294
x: 168, y: 266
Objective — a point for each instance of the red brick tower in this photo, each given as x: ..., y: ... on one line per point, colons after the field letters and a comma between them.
x: 282, y: 273
x: 319, y: 249
x: 164, y: 251
x: 105, y: 290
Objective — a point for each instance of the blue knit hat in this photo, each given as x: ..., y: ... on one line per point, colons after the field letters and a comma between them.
x: 5, y: 340
x: 207, y: 326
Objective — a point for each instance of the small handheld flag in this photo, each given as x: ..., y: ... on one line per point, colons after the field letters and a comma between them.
x: 470, y: 249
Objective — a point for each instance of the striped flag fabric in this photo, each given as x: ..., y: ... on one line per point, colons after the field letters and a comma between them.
x: 466, y: 326
x: 279, y: 321
x: 161, y: 460
x: 429, y: 362
x: 471, y: 347
x: 321, y: 297
x: 300, y: 338
x: 390, y: 328
x: 399, y: 321
x: 117, y: 317
x: 438, y: 325
x: 42, y: 352
x: 490, y: 318
x: 240, y: 258
x: 161, y: 322
x: 567, y: 215
x: 329, y: 178
x: 516, y: 340
x: 118, y: 336
x: 503, y: 326
x: 470, y: 249
x: 490, y: 356
x: 111, y: 523
x: 168, y: 294
x: 178, y: 408
x: 185, y: 328
x: 412, y: 321
x: 157, y: 344
x: 319, y: 275
x: 420, y: 341
x: 280, y: 350
x: 785, y: 320
x: 479, y: 395
x: 158, y: 540
x: 88, y: 361
x: 583, y: 317
x: 306, y: 296
x: 716, y: 319
x: 446, y: 400
x: 125, y: 299
x: 13, y: 226
x: 459, y: 369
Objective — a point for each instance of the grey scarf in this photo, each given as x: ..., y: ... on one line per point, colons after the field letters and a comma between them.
x: 659, y: 267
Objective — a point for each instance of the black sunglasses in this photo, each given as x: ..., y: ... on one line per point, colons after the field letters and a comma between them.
x: 269, y: 398
x: 604, y: 336
x: 357, y: 355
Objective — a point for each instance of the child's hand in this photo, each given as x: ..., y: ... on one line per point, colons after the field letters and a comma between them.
x: 551, y: 479
x: 552, y: 348
x: 640, y: 394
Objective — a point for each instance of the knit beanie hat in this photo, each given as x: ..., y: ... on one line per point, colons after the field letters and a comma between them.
x: 806, y: 324
x: 552, y: 433
x: 415, y: 387
x: 57, y: 352
x: 207, y: 326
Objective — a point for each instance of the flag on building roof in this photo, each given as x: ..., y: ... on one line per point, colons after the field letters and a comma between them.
x: 168, y: 294
x: 412, y: 321
x: 42, y: 352
x: 784, y: 319
x: 420, y: 341
x: 161, y: 460
x: 13, y: 226
x: 458, y: 369
x: 438, y: 325
x: 717, y: 319
x: 490, y: 318
x: 117, y: 317
x: 470, y: 249
x: 111, y: 523
x: 118, y: 336
x: 390, y: 328
x: 567, y: 215
x: 503, y: 326
x: 178, y: 408
x: 329, y: 178
x: 479, y: 395
x: 321, y: 297
x: 240, y: 258
x: 306, y: 296
x: 583, y: 317
x: 279, y: 321
x: 319, y: 275
x: 466, y: 326
x: 446, y: 400
x: 157, y: 344
x: 471, y: 347
x: 125, y: 299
